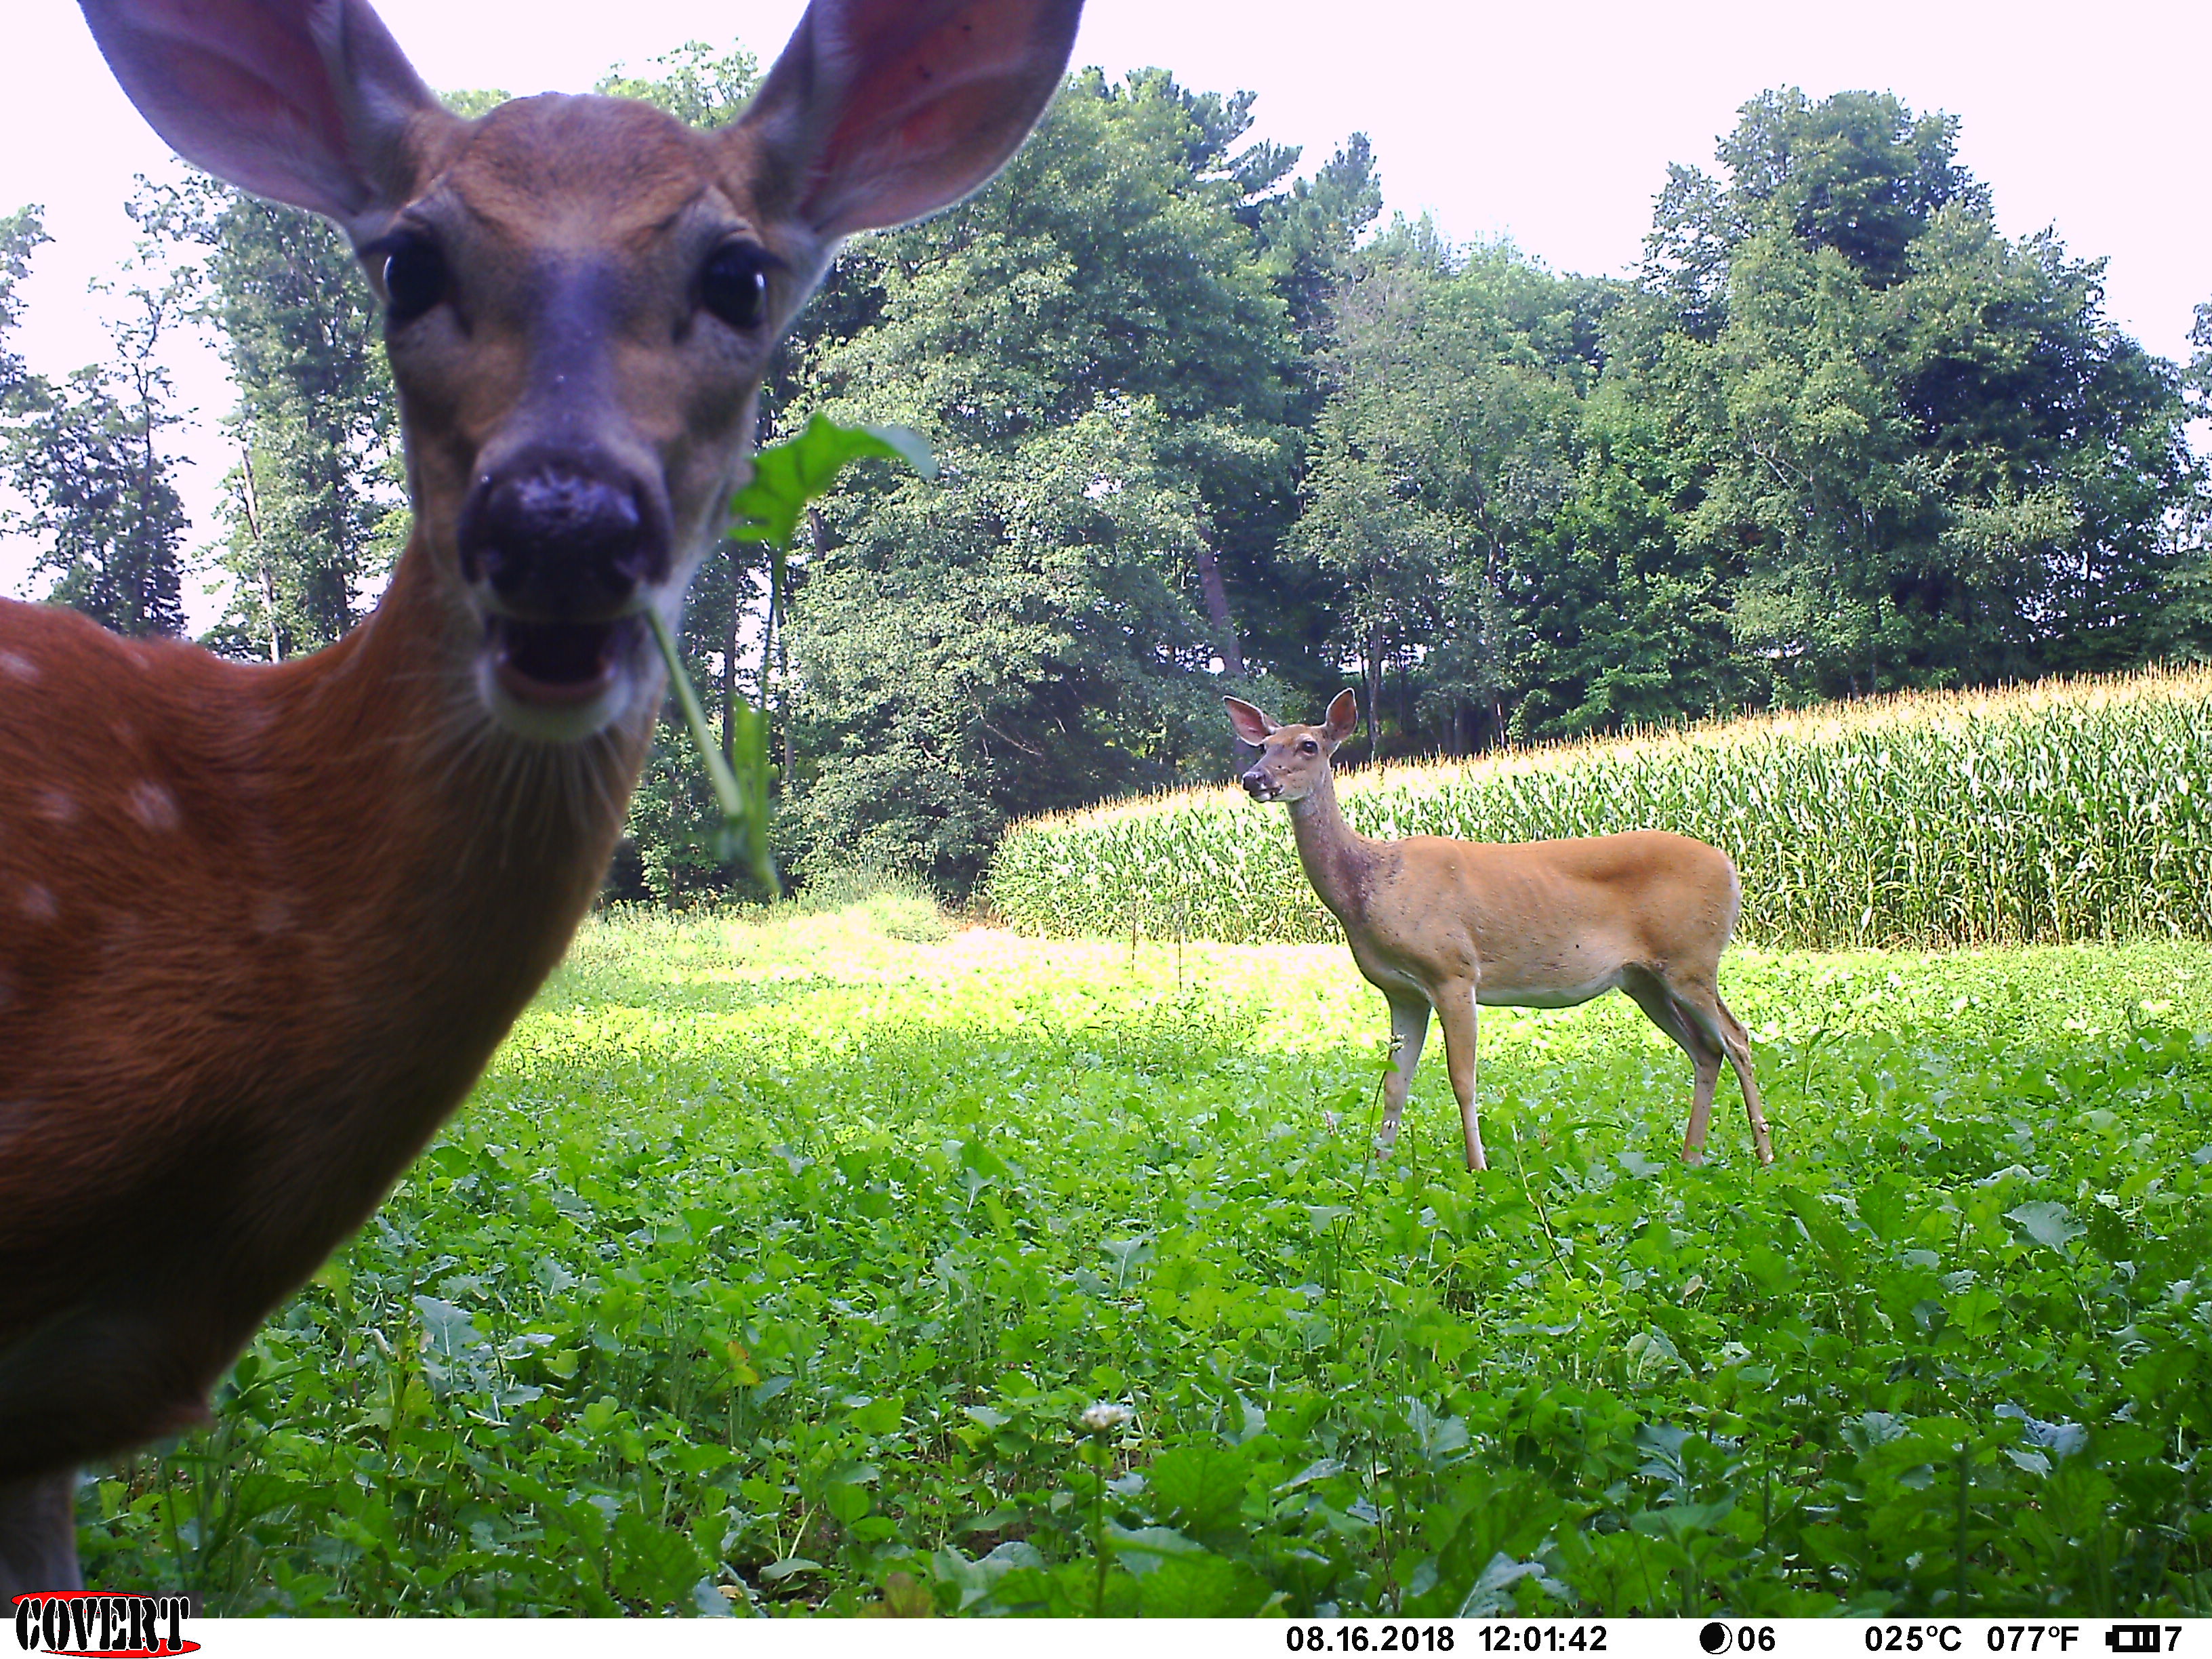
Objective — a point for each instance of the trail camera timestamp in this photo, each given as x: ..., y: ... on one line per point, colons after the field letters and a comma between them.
x: 1370, y: 1638
x: 1516, y: 1637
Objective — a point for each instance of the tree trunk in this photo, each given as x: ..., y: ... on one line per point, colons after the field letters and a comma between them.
x: 1217, y: 609
x: 253, y: 503
x: 1374, y: 690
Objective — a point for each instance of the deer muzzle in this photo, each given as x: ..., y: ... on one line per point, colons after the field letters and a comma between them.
x: 564, y: 547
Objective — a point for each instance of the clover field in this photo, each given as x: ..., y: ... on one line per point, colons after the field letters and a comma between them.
x: 775, y: 1265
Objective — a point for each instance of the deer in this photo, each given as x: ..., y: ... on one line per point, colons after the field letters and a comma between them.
x: 262, y: 926
x: 1450, y: 925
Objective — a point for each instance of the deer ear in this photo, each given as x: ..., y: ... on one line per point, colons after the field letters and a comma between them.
x: 1252, y: 726
x: 306, y: 102
x: 1343, y: 717
x: 881, y: 111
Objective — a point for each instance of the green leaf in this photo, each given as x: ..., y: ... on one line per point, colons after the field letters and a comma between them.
x: 1143, y: 1548
x: 879, y: 1416
x: 847, y: 1501
x: 652, y: 1564
x: 709, y: 1602
x: 2047, y: 1223
x: 789, y: 475
x: 1202, y: 1486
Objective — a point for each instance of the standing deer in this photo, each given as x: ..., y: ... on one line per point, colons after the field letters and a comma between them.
x: 1449, y: 925
x: 261, y: 926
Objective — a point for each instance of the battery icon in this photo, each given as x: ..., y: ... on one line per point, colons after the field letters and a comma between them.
x: 2133, y: 1638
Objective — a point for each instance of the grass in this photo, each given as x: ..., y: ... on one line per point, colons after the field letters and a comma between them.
x: 2044, y: 814
x: 774, y: 1266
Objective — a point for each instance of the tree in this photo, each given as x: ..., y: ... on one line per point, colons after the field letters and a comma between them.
x: 315, y: 511
x: 695, y: 83
x: 1622, y: 620
x: 88, y: 457
x: 1857, y: 172
x: 1444, y: 453
x: 2200, y: 366
x: 1919, y: 454
x: 1097, y: 346
x: 21, y: 234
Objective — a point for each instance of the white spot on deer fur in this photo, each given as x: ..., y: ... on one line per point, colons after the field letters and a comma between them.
x: 55, y: 806
x: 38, y: 904
x: 152, y: 806
x: 20, y: 667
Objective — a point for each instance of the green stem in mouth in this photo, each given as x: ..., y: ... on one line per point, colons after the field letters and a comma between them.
x: 786, y: 477
x: 743, y: 833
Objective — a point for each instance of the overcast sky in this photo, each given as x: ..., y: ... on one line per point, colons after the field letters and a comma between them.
x: 1552, y: 125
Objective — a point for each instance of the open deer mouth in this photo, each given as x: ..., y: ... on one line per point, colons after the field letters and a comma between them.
x: 559, y: 664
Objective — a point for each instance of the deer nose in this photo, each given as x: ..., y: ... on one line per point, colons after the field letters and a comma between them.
x: 1254, y: 781
x: 562, y: 537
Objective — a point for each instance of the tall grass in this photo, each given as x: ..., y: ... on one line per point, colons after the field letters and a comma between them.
x: 2052, y: 813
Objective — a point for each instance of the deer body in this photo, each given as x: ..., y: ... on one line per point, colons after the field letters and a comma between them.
x: 262, y: 926
x: 297, y: 972
x: 1448, y: 926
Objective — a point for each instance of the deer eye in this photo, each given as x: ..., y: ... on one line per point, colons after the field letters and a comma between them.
x: 415, y: 278
x: 734, y: 284
x: 1309, y: 747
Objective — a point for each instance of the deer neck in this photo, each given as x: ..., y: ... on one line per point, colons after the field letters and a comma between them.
x: 323, y: 891
x: 1337, y: 858
x: 434, y: 866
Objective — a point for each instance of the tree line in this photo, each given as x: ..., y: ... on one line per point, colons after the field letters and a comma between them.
x: 1203, y: 425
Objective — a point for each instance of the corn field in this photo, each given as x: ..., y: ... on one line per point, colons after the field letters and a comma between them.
x: 2052, y: 813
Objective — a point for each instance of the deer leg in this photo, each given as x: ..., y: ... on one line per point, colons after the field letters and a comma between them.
x: 1737, y: 1041
x: 1409, y: 1030
x: 38, y: 1534
x: 1455, y: 1013
x: 1669, y: 1010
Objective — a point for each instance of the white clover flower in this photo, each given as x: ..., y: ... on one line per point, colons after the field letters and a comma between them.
x: 1106, y: 1417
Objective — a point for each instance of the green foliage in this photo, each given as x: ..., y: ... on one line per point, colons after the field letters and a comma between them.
x: 789, y: 476
x: 1919, y: 454
x: 21, y: 234
x: 89, y: 456
x: 315, y: 510
x: 695, y: 83
x: 1838, y: 437
x: 1841, y: 437
x: 1095, y: 345
x: 1439, y: 465
x: 2052, y: 814
x: 777, y: 1267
